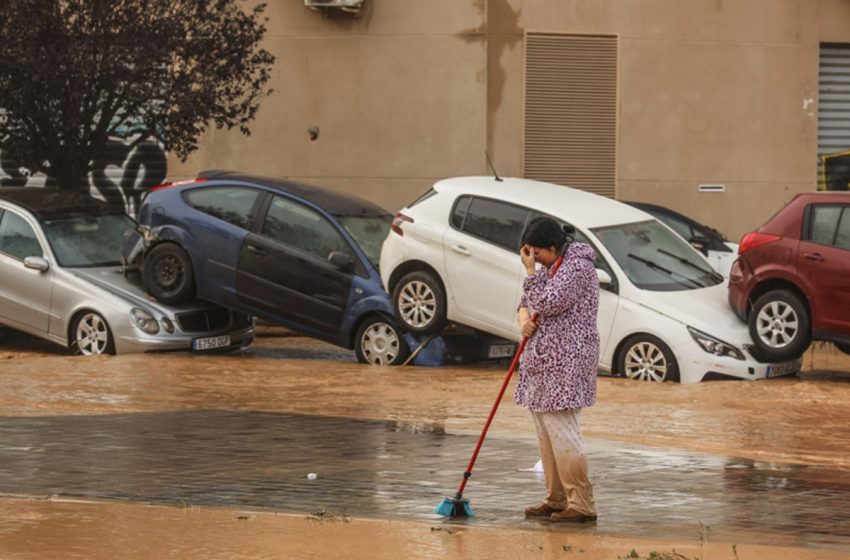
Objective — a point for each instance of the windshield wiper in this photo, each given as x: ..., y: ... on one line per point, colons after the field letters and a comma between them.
x: 711, y: 273
x: 670, y: 273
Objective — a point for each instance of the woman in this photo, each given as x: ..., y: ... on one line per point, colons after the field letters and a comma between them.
x: 557, y: 372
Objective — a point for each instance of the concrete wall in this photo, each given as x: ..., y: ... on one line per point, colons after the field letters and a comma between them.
x: 710, y: 91
x: 399, y: 97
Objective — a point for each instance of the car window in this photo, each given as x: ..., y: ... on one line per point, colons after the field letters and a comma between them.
x: 231, y: 204
x: 301, y: 227
x: 459, y: 211
x: 824, y: 228
x: 87, y: 241
x: 675, y: 224
x: 17, y: 238
x: 497, y: 222
x: 655, y: 259
x: 842, y: 236
x: 369, y: 232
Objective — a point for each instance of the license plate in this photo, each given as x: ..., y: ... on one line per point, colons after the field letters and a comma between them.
x: 786, y: 368
x: 501, y: 351
x: 211, y: 342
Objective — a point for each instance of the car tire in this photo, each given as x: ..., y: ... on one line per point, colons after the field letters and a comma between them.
x: 647, y: 358
x: 843, y: 347
x: 167, y: 274
x: 420, y: 303
x: 91, y: 335
x: 779, y: 326
x: 380, y: 342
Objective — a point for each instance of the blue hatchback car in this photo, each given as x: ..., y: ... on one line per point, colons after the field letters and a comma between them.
x: 292, y: 254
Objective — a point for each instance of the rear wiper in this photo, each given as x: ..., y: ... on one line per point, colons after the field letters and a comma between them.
x: 667, y: 271
x: 713, y: 274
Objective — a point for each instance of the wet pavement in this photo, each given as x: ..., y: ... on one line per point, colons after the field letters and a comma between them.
x: 735, y: 462
x: 398, y: 470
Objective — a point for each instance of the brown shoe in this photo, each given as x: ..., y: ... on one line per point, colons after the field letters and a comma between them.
x: 571, y: 515
x: 541, y: 510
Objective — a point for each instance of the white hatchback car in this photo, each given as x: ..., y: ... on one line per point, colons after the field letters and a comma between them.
x: 453, y: 255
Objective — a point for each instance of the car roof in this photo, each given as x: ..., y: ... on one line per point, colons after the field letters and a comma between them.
x: 337, y: 203
x: 578, y: 207
x: 48, y: 203
x: 825, y: 196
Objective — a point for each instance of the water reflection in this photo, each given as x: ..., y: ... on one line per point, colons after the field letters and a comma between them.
x: 401, y: 470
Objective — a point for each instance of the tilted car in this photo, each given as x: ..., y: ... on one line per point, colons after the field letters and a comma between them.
x: 61, y: 279
x: 453, y: 255
x: 791, y: 281
x: 714, y: 246
x: 292, y: 254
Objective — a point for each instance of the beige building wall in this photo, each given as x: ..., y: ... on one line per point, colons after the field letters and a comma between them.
x: 398, y: 95
x: 710, y: 91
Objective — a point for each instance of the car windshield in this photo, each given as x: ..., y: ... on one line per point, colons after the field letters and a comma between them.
x: 87, y: 241
x: 656, y: 259
x: 369, y: 232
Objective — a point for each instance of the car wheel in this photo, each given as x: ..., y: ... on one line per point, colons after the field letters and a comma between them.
x: 647, y: 358
x: 167, y: 274
x: 843, y: 347
x: 779, y: 326
x: 90, y: 335
x: 420, y: 303
x: 380, y: 342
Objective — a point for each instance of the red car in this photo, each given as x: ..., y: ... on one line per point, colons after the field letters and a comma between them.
x: 791, y: 281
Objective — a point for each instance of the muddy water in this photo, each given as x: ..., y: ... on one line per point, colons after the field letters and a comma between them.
x: 777, y: 425
x: 795, y: 420
x: 104, y: 531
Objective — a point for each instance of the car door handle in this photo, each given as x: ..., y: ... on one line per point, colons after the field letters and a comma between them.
x: 817, y: 257
x: 461, y: 249
x: 256, y: 250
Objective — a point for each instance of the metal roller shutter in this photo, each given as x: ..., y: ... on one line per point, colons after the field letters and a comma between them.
x: 571, y: 110
x: 834, y: 117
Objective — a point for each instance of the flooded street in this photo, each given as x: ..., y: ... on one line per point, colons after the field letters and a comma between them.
x: 691, y: 467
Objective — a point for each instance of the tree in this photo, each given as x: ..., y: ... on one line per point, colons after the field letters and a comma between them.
x: 75, y: 73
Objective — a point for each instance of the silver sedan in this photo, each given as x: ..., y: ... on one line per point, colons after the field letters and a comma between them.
x: 61, y: 278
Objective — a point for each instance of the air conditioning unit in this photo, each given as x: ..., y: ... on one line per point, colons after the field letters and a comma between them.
x: 350, y: 6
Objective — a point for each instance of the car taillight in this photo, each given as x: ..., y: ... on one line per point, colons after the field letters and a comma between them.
x: 398, y: 220
x: 755, y: 239
x: 178, y: 184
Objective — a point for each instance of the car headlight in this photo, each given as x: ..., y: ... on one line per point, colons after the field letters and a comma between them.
x: 715, y: 346
x: 167, y: 324
x: 144, y: 320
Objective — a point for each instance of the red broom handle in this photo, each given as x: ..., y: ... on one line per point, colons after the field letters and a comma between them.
x: 511, y: 370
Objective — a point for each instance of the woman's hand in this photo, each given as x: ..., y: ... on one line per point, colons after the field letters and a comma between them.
x: 528, y: 327
x: 527, y: 257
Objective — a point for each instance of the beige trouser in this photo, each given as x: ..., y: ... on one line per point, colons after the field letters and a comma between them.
x: 564, y: 460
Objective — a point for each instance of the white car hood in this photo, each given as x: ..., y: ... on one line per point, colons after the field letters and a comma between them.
x: 705, y: 309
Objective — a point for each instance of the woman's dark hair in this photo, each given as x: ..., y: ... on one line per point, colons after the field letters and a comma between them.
x: 545, y: 232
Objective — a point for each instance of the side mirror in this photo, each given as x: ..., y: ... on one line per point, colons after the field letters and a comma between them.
x: 37, y: 263
x: 341, y: 261
x: 605, y: 280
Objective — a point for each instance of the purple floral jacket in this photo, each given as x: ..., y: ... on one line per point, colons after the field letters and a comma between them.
x: 558, y: 368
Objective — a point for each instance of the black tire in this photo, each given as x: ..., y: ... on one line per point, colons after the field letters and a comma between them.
x: 420, y: 303
x: 380, y: 342
x: 167, y: 274
x: 779, y: 326
x: 90, y: 335
x: 843, y: 347
x: 647, y: 358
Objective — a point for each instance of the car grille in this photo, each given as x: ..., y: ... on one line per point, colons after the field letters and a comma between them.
x: 206, y: 320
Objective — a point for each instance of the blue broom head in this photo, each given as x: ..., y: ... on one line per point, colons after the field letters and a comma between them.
x: 453, y: 507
